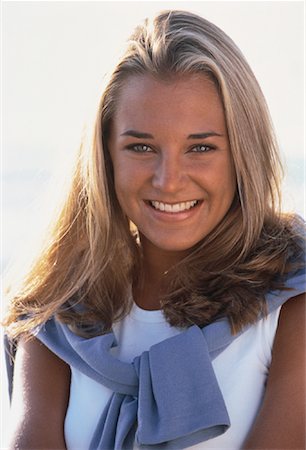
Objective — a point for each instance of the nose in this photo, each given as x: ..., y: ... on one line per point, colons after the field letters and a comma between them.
x: 169, y: 174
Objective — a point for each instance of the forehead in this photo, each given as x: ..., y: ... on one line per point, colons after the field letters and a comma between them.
x: 188, y: 101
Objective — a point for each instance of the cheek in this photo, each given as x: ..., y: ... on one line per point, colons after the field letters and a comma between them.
x: 120, y: 186
x: 219, y: 177
x: 227, y: 175
x: 130, y: 174
x: 232, y: 180
x: 221, y: 186
x: 125, y: 183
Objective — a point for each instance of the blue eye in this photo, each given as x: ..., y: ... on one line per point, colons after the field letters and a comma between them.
x: 139, y: 148
x: 202, y: 148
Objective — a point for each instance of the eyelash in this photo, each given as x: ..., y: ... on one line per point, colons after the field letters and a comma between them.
x: 135, y: 148
x: 207, y: 148
x: 143, y: 148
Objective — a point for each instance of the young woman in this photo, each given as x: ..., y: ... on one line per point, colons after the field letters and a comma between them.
x: 168, y: 307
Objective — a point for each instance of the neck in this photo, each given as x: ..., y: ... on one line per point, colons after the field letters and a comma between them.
x: 151, y: 283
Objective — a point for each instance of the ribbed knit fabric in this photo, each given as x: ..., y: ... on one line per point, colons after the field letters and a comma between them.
x: 147, y: 406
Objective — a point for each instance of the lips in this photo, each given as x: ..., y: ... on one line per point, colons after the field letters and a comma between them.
x: 173, y: 207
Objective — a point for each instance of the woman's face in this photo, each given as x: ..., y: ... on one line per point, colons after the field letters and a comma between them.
x: 174, y: 175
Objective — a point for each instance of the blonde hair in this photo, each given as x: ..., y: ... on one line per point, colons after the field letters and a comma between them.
x: 83, y: 275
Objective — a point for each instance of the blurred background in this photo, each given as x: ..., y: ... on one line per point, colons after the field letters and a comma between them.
x: 55, y: 56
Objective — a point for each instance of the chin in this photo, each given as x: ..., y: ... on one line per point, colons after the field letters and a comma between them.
x: 175, y: 247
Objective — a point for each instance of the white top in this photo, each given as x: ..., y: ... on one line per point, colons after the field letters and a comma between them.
x: 241, y: 371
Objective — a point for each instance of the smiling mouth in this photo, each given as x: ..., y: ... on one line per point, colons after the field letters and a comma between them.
x: 175, y: 207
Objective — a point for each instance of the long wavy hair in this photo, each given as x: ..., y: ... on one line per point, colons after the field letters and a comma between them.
x: 84, y: 273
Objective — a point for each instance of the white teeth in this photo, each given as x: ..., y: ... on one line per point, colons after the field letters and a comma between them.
x: 177, y: 207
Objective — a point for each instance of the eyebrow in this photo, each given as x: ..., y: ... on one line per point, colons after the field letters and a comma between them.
x: 204, y: 135
x: 140, y: 135
x: 137, y: 134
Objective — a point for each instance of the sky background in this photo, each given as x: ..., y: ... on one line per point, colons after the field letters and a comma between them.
x: 55, y: 56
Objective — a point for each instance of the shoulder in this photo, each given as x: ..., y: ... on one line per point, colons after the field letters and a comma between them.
x: 286, y: 381
x: 40, y: 397
x: 289, y: 345
x: 35, y: 365
x: 291, y: 328
x: 281, y: 420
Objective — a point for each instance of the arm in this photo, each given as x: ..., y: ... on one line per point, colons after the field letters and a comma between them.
x: 281, y: 421
x: 40, y: 398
